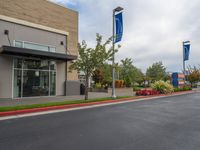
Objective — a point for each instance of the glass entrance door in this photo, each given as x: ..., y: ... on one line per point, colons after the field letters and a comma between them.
x: 35, y: 83
x: 34, y: 78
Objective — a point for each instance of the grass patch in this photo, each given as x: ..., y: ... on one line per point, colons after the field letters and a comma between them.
x: 12, y: 108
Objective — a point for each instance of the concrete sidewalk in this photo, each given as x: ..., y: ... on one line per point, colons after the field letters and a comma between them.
x: 41, y: 100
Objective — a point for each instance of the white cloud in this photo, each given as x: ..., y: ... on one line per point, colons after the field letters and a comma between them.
x: 64, y: 2
x: 153, y: 29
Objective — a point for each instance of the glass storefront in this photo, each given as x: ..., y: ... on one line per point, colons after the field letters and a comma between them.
x: 35, y: 46
x: 34, y: 78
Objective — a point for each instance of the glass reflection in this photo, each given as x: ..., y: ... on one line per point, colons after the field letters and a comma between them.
x: 38, y: 77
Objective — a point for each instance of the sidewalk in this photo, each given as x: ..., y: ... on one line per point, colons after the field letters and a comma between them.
x: 42, y: 100
x: 68, y: 107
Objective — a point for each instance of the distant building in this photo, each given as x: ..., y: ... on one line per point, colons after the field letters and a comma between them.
x: 38, y: 41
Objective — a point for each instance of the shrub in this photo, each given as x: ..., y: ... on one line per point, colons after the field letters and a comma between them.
x: 98, y: 85
x: 136, y: 88
x: 146, y: 92
x: 185, y: 88
x: 162, y: 86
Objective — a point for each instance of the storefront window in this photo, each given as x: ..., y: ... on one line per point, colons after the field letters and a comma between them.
x: 17, y: 83
x: 36, y: 64
x: 52, y: 83
x: 52, y: 65
x: 18, y: 44
x: 34, y: 78
x: 35, y: 46
x: 35, y: 83
x: 18, y: 63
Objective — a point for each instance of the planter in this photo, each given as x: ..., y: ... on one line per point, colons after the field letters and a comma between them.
x: 98, y: 90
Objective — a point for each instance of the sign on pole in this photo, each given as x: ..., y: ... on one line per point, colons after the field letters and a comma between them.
x: 118, y: 27
x: 186, y: 51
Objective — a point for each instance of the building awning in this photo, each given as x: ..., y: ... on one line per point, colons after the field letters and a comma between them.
x: 9, y: 50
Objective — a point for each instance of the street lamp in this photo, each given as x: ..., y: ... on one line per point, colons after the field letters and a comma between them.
x: 118, y: 9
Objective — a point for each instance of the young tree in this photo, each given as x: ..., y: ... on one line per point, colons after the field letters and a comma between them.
x: 156, y: 72
x: 194, y: 75
x: 92, y: 58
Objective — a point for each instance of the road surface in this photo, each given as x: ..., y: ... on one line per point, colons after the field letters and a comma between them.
x: 161, y: 124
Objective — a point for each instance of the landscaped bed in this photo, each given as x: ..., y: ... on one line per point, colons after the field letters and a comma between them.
x: 161, y: 87
x: 23, y: 107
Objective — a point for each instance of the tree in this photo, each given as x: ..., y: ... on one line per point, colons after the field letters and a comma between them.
x: 98, y: 76
x: 107, y: 72
x: 194, y: 75
x: 156, y: 72
x: 139, y: 76
x: 129, y: 73
x: 92, y: 58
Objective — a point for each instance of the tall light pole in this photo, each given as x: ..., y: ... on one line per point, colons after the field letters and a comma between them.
x: 118, y: 9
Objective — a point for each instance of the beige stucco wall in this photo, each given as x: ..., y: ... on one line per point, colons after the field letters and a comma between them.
x: 48, y: 14
x: 6, y: 76
x: 24, y: 33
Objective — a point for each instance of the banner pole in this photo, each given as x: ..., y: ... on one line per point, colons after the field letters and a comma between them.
x: 113, y: 59
x: 184, y: 63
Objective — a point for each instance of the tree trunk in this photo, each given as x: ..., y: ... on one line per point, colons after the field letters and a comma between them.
x: 86, y: 87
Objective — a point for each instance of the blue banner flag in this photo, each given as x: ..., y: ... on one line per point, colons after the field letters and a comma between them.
x: 118, y: 27
x: 186, y: 51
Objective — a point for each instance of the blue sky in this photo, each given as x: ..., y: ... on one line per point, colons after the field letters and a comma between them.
x: 153, y: 29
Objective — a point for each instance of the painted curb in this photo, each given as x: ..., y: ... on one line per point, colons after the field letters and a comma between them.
x: 69, y: 106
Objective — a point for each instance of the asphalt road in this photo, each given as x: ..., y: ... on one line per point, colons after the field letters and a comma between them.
x: 161, y: 124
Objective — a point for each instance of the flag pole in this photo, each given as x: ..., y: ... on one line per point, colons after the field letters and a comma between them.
x: 184, y: 62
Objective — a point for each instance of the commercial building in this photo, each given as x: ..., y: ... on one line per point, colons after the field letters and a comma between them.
x: 38, y: 41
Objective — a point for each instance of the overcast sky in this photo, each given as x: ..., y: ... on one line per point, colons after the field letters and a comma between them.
x: 153, y: 29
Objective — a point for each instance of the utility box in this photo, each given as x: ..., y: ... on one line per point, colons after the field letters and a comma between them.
x: 72, y: 88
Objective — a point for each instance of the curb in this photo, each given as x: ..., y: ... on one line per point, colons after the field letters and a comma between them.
x: 69, y: 106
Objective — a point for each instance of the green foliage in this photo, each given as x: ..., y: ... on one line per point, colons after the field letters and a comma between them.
x: 129, y: 73
x: 98, y: 86
x: 107, y: 73
x: 162, y: 87
x: 136, y: 88
x: 22, y: 107
x: 127, y: 81
x: 92, y: 58
x: 156, y: 72
x: 194, y: 75
x: 185, y: 88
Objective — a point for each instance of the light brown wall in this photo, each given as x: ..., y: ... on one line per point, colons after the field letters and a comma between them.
x: 48, y: 14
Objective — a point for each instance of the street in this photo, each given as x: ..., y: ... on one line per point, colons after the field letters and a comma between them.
x: 171, y: 123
